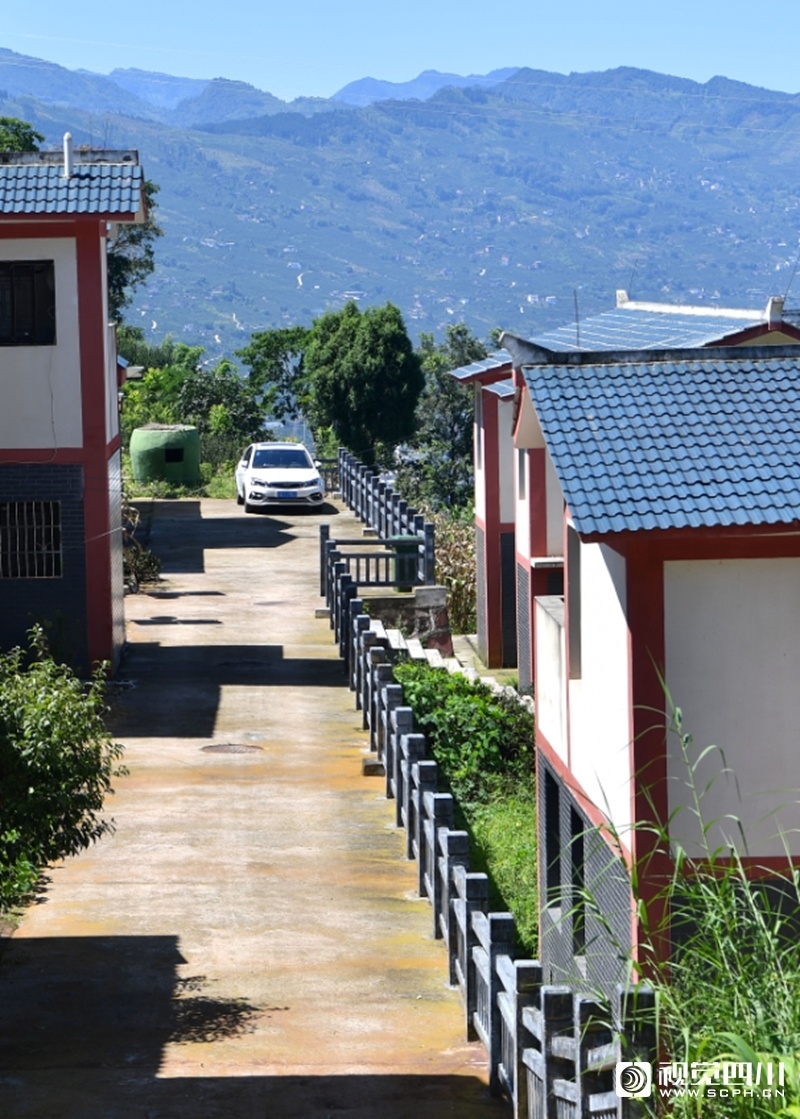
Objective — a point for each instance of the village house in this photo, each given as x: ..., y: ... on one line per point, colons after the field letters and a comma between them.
x: 517, y: 557
x: 60, y: 477
x: 676, y: 486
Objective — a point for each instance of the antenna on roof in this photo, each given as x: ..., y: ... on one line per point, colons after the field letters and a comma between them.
x: 794, y: 273
x: 577, y: 320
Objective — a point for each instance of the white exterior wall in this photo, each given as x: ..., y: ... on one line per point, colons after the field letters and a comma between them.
x: 554, y: 496
x: 41, y: 385
x: 522, y: 506
x: 599, y: 728
x: 505, y: 445
x: 551, y: 672
x: 732, y: 652
x: 112, y: 388
x: 479, y: 456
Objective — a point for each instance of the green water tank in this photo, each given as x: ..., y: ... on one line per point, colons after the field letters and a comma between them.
x: 166, y: 453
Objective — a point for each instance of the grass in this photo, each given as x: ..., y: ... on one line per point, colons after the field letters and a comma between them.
x: 483, y: 744
x: 503, y: 838
x: 730, y: 992
x: 215, y: 482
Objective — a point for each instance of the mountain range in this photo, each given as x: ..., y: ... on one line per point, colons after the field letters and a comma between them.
x: 515, y: 199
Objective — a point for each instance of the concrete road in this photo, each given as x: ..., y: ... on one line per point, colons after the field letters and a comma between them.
x: 248, y: 942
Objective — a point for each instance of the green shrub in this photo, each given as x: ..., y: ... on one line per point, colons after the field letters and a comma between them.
x: 56, y: 765
x: 481, y: 740
x: 483, y: 744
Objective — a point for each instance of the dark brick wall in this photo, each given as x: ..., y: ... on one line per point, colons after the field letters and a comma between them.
x: 58, y: 604
x: 524, y: 629
x: 508, y: 600
x: 585, y: 944
x: 480, y: 563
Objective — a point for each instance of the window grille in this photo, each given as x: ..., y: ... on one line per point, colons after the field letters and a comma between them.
x: 27, y: 303
x: 30, y: 540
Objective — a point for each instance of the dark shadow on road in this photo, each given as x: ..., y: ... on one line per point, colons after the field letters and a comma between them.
x: 324, y: 510
x: 183, y: 594
x: 196, y: 674
x: 170, y: 620
x: 179, y: 534
x: 86, y: 1021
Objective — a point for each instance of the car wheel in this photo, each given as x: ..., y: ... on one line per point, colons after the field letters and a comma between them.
x: 239, y: 498
x: 248, y: 508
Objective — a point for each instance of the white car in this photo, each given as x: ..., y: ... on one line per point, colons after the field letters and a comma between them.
x: 277, y: 474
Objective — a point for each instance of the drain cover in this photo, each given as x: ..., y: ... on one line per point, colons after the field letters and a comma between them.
x: 230, y: 748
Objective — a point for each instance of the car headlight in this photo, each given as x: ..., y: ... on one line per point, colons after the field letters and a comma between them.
x: 315, y: 482
x: 258, y: 483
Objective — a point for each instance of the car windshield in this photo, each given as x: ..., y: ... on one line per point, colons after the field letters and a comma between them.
x: 280, y: 457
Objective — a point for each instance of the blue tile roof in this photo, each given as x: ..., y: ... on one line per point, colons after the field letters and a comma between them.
x: 503, y: 389
x: 93, y: 188
x: 635, y: 329
x: 496, y: 360
x: 673, y: 443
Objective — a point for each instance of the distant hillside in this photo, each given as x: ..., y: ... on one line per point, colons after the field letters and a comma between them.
x: 496, y: 204
x: 179, y: 102
x: 162, y: 90
x: 368, y: 90
x: 21, y: 75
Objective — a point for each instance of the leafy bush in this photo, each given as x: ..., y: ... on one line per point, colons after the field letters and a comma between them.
x: 482, y: 741
x: 483, y: 744
x: 56, y: 765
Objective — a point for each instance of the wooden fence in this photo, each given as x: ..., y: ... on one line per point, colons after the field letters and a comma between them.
x: 552, y: 1051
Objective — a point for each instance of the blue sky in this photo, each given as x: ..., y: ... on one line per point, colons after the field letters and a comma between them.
x: 315, y: 47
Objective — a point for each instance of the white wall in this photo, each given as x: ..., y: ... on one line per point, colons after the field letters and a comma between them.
x: 112, y: 388
x: 522, y: 505
x: 479, y: 455
x: 41, y: 385
x: 732, y: 650
x: 551, y: 671
x: 505, y: 443
x: 599, y: 728
x: 554, y: 497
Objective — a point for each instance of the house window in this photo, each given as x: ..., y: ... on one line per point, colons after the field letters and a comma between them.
x: 173, y: 454
x: 30, y: 540
x: 578, y: 869
x: 552, y: 839
x: 27, y: 303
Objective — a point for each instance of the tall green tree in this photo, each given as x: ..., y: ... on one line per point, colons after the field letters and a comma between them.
x: 18, y: 136
x: 155, y: 398
x: 131, y: 255
x: 439, y: 473
x: 219, y: 401
x: 277, y: 370
x: 365, y: 378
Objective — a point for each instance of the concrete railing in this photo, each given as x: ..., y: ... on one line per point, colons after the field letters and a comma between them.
x: 552, y: 1051
x: 376, y: 504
